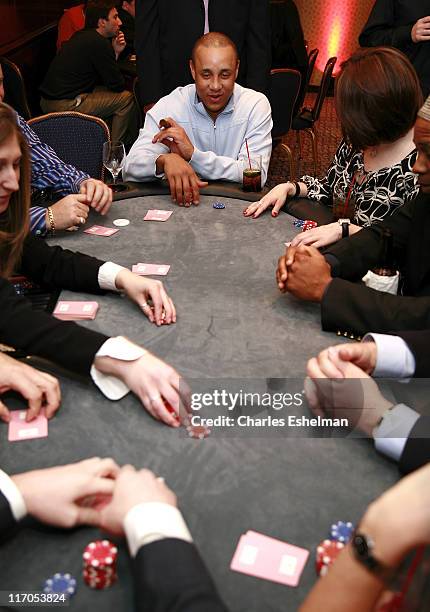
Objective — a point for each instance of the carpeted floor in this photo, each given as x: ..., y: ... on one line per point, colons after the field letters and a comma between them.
x: 329, y: 136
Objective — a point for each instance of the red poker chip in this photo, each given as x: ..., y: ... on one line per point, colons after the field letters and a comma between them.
x: 308, y: 224
x: 99, y: 573
x: 326, y: 553
x: 100, y: 554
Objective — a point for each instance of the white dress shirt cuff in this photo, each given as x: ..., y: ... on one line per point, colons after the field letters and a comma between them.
x: 394, y: 358
x: 392, y: 433
x: 152, y: 521
x: 13, y: 496
x: 107, y: 275
x: 117, y: 348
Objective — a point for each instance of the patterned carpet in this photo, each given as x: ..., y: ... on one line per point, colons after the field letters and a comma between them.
x: 329, y: 136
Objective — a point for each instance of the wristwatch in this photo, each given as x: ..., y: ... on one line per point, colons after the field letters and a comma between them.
x: 362, y: 548
x: 344, y: 224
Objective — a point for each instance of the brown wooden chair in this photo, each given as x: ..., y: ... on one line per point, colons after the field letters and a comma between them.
x: 307, y: 118
x: 284, y: 89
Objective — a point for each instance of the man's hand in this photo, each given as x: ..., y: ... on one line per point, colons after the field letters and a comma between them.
x: 152, y: 380
x: 140, y: 289
x: 421, y: 30
x: 304, y: 272
x: 176, y: 138
x: 132, y: 488
x: 99, y: 195
x: 41, y: 390
x: 353, y: 395
x: 276, y: 198
x: 70, y: 211
x: 184, y: 183
x: 119, y: 43
x: 53, y: 495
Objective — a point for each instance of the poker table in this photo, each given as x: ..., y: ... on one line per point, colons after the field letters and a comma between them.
x: 233, y: 327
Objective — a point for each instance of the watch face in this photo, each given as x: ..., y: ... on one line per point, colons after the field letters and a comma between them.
x: 360, y: 545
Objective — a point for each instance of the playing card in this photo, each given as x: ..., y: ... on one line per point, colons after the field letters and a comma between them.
x: 146, y: 269
x: 75, y: 311
x: 157, y: 215
x: 19, y: 429
x: 265, y: 557
x: 98, y: 230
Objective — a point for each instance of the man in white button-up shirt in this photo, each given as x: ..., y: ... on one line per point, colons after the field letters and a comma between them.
x: 210, y: 124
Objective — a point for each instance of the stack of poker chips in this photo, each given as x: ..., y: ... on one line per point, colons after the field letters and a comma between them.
x: 305, y: 224
x: 99, y: 560
x: 218, y: 205
x: 328, y: 550
x: 62, y: 584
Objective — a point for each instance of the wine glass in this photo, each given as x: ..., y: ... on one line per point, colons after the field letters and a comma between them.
x: 114, y: 160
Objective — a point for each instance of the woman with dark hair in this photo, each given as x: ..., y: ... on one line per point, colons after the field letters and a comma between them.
x: 116, y: 364
x: 377, y: 98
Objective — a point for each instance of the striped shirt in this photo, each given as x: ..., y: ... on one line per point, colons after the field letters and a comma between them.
x: 48, y: 172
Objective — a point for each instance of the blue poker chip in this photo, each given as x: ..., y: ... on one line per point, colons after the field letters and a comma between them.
x: 298, y: 223
x: 218, y: 205
x: 60, y: 583
x: 341, y: 532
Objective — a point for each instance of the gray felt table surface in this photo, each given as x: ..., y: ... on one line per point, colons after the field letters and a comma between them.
x: 232, y: 323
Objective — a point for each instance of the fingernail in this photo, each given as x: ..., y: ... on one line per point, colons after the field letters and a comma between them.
x: 274, y: 214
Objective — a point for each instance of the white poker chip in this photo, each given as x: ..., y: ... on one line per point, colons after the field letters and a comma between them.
x: 121, y: 222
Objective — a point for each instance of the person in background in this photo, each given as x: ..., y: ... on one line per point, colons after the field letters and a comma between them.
x: 339, y: 384
x: 377, y: 99
x: 94, y: 87
x: 127, y: 14
x: 405, y: 25
x: 288, y: 42
x: 75, y: 191
x: 166, y: 32
x: 71, y: 21
x: 210, y: 122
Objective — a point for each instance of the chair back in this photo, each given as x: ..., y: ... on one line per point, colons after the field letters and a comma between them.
x: 284, y: 89
x: 312, y: 58
x: 76, y: 138
x: 138, y: 101
x: 14, y: 86
x: 323, y: 88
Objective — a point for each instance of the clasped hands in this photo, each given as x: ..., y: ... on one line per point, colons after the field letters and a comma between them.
x: 91, y: 492
x: 184, y: 183
x: 304, y: 272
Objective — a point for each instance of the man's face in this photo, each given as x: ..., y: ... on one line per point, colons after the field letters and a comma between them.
x: 130, y: 7
x: 214, y: 72
x: 422, y: 142
x: 110, y: 26
x: 1, y: 85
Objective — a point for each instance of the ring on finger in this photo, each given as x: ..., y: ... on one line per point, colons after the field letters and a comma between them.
x: 81, y: 220
x: 155, y: 398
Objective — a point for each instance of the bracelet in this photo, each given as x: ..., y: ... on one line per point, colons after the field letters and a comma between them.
x: 297, y: 192
x: 51, y: 220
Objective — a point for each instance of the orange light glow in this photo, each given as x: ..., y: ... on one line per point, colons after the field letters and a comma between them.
x: 334, y: 38
x: 336, y: 19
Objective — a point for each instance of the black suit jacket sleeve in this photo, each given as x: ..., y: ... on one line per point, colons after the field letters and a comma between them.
x: 7, y: 521
x: 171, y: 576
x: 380, y: 29
x: 39, y: 333
x: 417, y: 449
x: 419, y: 343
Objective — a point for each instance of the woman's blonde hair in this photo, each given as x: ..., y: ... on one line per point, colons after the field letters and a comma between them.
x: 14, y: 222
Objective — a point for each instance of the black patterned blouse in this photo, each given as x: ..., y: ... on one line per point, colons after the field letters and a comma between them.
x: 377, y: 193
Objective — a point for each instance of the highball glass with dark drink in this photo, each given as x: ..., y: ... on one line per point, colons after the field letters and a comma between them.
x: 252, y: 174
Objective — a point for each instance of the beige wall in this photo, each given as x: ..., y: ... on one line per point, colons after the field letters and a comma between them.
x: 333, y: 27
